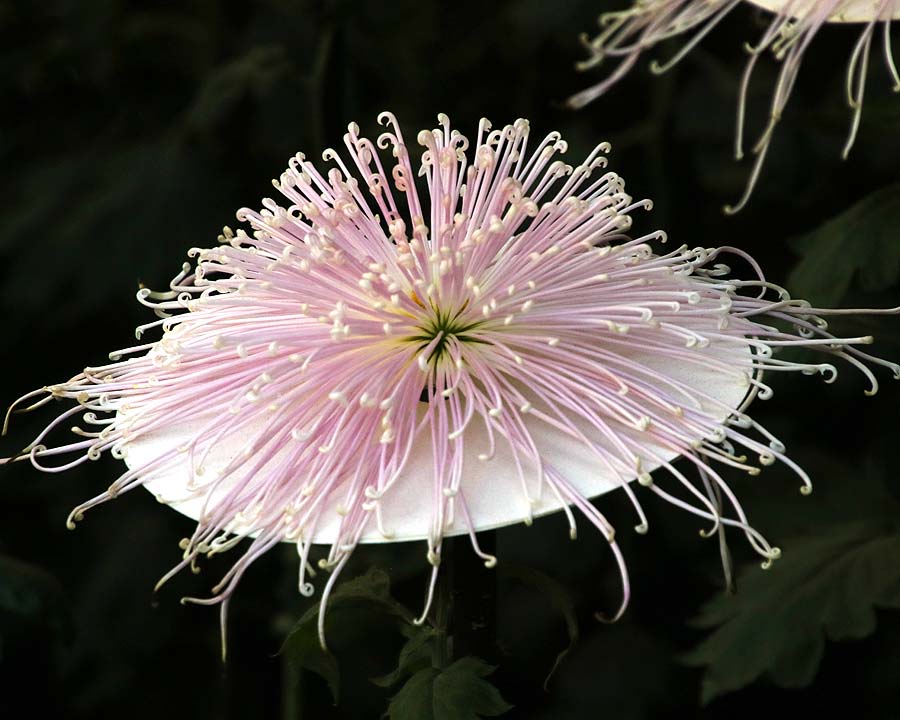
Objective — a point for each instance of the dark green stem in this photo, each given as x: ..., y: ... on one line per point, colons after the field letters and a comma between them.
x: 474, y: 621
x: 465, y: 602
x: 443, y: 607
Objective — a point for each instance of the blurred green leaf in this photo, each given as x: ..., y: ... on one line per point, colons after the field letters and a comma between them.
x: 29, y: 596
x: 252, y: 74
x: 305, y: 653
x: 23, y: 587
x: 370, y: 593
x: 863, y: 241
x: 825, y: 586
x: 98, y: 196
x: 459, y: 692
x: 558, y: 596
x: 624, y: 666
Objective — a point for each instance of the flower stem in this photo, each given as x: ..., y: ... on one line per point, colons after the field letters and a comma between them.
x: 443, y: 610
x: 465, y: 613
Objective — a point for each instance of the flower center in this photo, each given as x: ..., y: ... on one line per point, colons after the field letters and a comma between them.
x: 438, y: 333
x: 440, y: 327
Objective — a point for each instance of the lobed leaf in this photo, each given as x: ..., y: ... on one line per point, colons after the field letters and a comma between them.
x: 459, y: 692
x: 370, y: 591
x: 824, y: 587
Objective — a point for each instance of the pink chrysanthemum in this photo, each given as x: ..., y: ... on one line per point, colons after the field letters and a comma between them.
x: 794, y: 24
x: 372, y: 363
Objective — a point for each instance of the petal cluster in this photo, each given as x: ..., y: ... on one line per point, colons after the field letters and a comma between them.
x: 398, y: 351
x: 793, y: 25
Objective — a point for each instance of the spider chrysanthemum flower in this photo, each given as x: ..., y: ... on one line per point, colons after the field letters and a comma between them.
x: 626, y: 34
x: 373, y: 362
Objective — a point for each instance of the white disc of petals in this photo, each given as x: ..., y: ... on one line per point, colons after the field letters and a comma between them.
x: 492, y: 488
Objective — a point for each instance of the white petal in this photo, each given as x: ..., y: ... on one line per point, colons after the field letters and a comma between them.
x: 847, y: 12
x: 492, y: 488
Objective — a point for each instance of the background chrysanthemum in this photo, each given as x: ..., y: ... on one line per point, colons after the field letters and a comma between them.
x: 792, y: 26
x: 382, y: 362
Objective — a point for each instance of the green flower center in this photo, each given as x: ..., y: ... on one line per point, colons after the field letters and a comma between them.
x: 439, y: 326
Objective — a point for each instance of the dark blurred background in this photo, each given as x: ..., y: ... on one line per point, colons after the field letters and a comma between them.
x: 132, y: 131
